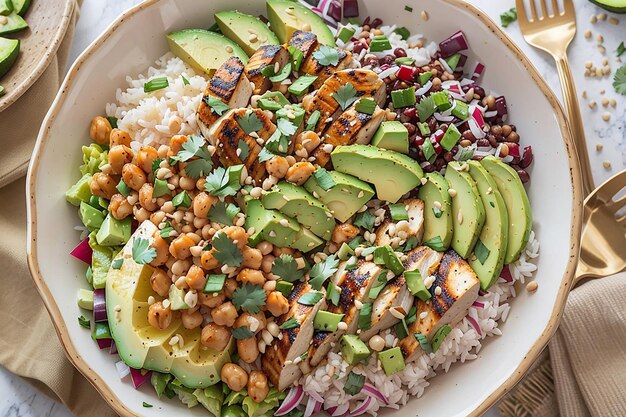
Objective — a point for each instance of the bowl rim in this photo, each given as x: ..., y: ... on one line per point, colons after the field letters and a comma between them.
x: 107, y: 393
x: 15, y: 94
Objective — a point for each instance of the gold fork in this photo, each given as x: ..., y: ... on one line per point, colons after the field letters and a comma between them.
x: 553, y: 32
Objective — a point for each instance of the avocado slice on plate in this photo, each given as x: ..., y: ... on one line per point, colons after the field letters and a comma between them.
x: 248, y: 31
x: 517, y: 205
x: 287, y: 16
x: 488, y: 257
x: 6, y: 7
x: 437, y: 209
x: 15, y: 23
x: 9, y: 50
x: 205, y: 51
x: 616, y: 6
x: 20, y: 6
x: 142, y: 346
x: 468, y: 212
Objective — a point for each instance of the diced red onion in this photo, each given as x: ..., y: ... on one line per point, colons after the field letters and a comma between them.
x: 372, y: 391
x: 501, y: 106
x: 478, y: 71
x: 466, y: 81
x: 462, y: 61
x: 138, y: 378
x: 339, y: 410
x: 490, y: 114
x: 310, y: 407
x: 478, y: 304
x: 318, y: 407
x: 104, y: 343
x: 83, y: 251
x: 514, y: 150
x: 405, y: 73
x: 293, y: 398
x: 452, y: 85
x: 316, y: 396
x: 387, y: 72
x: 453, y: 44
x: 506, y: 274
x: 474, y: 324
x: 445, y: 65
x: 476, y: 131
x: 122, y: 369
x: 361, y: 408
x: 350, y: 8
x: 113, y: 348
x: 99, y: 305
x: 443, y: 118
x: 334, y: 10
x: 424, y: 89
x: 507, y: 159
x: 477, y: 115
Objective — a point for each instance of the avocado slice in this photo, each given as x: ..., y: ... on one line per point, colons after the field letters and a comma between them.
x: 21, y: 6
x: 113, y: 232
x: 296, y: 202
x: 615, y: 6
x: 9, y: 50
x: 287, y: 16
x: 248, y: 31
x: 468, y: 212
x: 437, y: 209
x: 345, y: 197
x: 15, y: 23
x: 393, y: 174
x: 354, y: 350
x: 392, y: 135
x: 517, y: 206
x: 6, y: 7
x: 488, y: 258
x: 392, y: 360
x: 306, y: 241
x: 205, y: 51
x: 269, y: 225
x: 91, y: 217
x: 142, y: 346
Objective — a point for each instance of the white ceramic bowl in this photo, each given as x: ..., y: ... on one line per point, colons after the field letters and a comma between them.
x: 137, y: 38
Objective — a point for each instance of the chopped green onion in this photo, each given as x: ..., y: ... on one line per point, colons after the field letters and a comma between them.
x: 461, y: 110
x: 314, y: 118
x: 300, y: 85
x: 466, y: 153
x: 405, y: 60
x: 403, y: 32
x: 440, y: 336
x: 296, y: 57
x: 112, y: 121
x: 424, y: 343
x: 333, y: 294
x: 429, y: 150
x: 415, y: 284
x: 441, y: 100
x: 402, y: 330
x: 284, y: 287
x: 292, y: 323
x: 365, y: 316
x: 424, y: 77
x: 365, y: 105
x: 84, y: 322
x: 453, y: 61
x: 310, y: 298
x: 147, y: 405
x: 481, y: 251
x: 155, y: 84
x: 398, y: 212
x: 182, y: 200
x: 408, y: 9
x: 185, y: 80
x: 435, y: 243
x: 214, y: 283
x: 437, y: 212
x: 283, y: 74
x: 354, y: 383
x: 450, y: 138
x: 354, y: 243
x: 424, y: 129
x: 403, y: 98
x: 123, y: 188
x: 323, y: 179
x: 380, y: 44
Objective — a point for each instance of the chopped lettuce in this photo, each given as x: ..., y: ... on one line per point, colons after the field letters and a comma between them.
x: 266, y: 407
x: 94, y: 156
x: 159, y: 381
x: 211, y: 398
x: 185, y: 395
x: 235, y: 397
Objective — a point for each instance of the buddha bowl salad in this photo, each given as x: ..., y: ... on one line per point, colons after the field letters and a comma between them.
x: 283, y: 216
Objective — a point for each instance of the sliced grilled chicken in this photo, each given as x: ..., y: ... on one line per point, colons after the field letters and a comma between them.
x: 351, y: 127
x: 366, y: 83
x: 459, y: 289
x: 355, y: 286
x: 305, y: 42
x: 278, y: 359
x: 423, y: 258
x: 415, y: 209
x: 313, y: 67
x: 226, y: 133
x: 264, y: 56
x: 230, y: 85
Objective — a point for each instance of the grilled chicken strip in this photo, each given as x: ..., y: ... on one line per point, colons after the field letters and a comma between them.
x: 459, y: 289
x: 313, y: 67
x: 277, y: 361
x: 264, y: 56
x: 366, y: 83
x: 355, y: 285
x: 351, y: 127
x: 226, y: 133
x: 230, y: 85
x: 415, y: 210
x: 305, y: 42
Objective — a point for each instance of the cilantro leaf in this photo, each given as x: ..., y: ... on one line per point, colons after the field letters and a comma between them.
x: 286, y: 267
x: 249, y: 297
x: 620, y: 49
x: 481, y: 251
x: 117, y: 263
x: 333, y: 294
x: 198, y: 168
x: 277, y: 143
x: 216, y: 104
x: 354, y: 383
x: 265, y: 155
x: 322, y: 271
x: 224, y: 213
x: 310, y: 298
x: 425, y: 108
x: 508, y: 17
x: 249, y: 122
x: 323, y: 179
x: 245, y: 150
x: 619, y: 81
x: 345, y: 96
x: 326, y: 56
x: 365, y: 220
x: 195, y: 146
x: 223, y: 182
x: 282, y: 74
x: 292, y: 323
x: 286, y: 127
x: 84, y: 322
x: 227, y: 252
x: 142, y: 252
x: 242, y: 333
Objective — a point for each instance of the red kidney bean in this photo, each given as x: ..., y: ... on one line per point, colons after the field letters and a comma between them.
x: 469, y: 135
x: 358, y: 47
x: 439, y: 164
x: 492, y: 140
x: 523, y: 175
x: 411, y: 113
x: 432, y: 124
x: 477, y: 158
x: 410, y: 127
x: 429, y: 168
x: 376, y: 22
x: 373, y: 62
x: 483, y: 142
x: 418, y: 141
x: 527, y: 157
x: 448, y: 156
x: 366, y: 22
x: 480, y: 91
x: 500, y: 138
x: 399, y: 52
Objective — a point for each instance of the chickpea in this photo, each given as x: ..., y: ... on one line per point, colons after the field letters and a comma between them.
x: 344, y: 232
x: 202, y: 203
x: 208, y: 260
x: 229, y: 287
x: 258, y: 387
x: 157, y: 217
x: 277, y: 304
x: 255, y: 322
x: 215, y: 336
x: 162, y: 249
x: 282, y: 251
x: 266, y: 265
x: 103, y: 185
x: 119, y: 155
x: 308, y: 140
x: 180, y: 248
x: 195, y: 278
x: 252, y: 258
x: 160, y: 282
x: 300, y: 172
x: 119, y: 137
x: 251, y: 276
x: 236, y: 233
x: 145, y: 197
x: 248, y: 349
x: 145, y: 157
x: 141, y: 214
x: 225, y: 314
x: 277, y: 166
x: 133, y: 176
x: 210, y: 300
x: 265, y: 247
x: 159, y: 317
x: 119, y: 207
x: 176, y: 144
x: 234, y: 376
x: 100, y: 130
x: 187, y: 183
x: 191, y: 319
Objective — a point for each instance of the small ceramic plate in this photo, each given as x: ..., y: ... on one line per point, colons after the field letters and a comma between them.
x: 48, y: 21
x: 555, y: 194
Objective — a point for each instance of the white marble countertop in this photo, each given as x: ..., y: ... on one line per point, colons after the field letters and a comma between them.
x: 20, y: 400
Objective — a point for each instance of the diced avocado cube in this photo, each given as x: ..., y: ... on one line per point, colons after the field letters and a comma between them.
x: 384, y: 255
x: 306, y: 241
x: 79, y: 191
x: 114, y: 232
x: 398, y: 212
x: 441, y: 100
x: 101, y: 331
x: 91, y: 217
x: 415, y: 284
x: 354, y: 350
x: 392, y: 360
x: 450, y: 138
x: 292, y: 109
x: 6, y: 7
x: 345, y: 34
x: 284, y: 287
x: 326, y: 321
x: 85, y: 299
x: 392, y: 135
x: 380, y: 44
x: 461, y: 110
x: 177, y: 298
x: 160, y: 188
x: 424, y: 77
x: 273, y: 101
x: 345, y: 251
x: 270, y: 225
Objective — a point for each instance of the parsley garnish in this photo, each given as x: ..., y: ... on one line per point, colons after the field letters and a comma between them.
x: 227, y: 252
x: 185, y: 80
x: 620, y: 49
x: 214, y: 283
x: 333, y: 294
x: 481, y: 251
x: 249, y: 122
x: 354, y: 383
x: 249, y: 298
x: 84, y: 322
x: 619, y: 81
x: 216, y: 104
x: 322, y: 271
x: 223, y: 182
x: 286, y: 127
x: 326, y: 56
x: 143, y: 253
x: 223, y: 213
x: 365, y: 220
x: 245, y: 149
x: 508, y: 17
x: 425, y: 108
x: 292, y: 323
x: 435, y: 243
x: 345, y: 96
x: 410, y: 244
x: 265, y: 155
x: 198, y: 168
x: 282, y: 74
x: 286, y: 268
x: 323, y: 179
x: 117, y: 263
x: 277, y: 143
x: 242, y: 332
x: 381, y: 282
x: 147, y: 405
x: 156, y: 164
x: 166, y: 231
x: 194, y: 146
x: 310, y: 298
